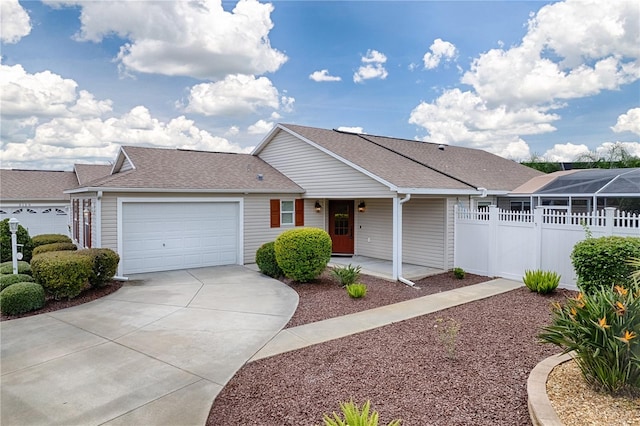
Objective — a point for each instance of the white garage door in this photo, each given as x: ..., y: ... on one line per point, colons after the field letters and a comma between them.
x: 166, y: 236
x: 39, y: 220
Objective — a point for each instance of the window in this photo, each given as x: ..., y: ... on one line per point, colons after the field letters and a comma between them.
x: 520, y: 206
x: 86, y: 230
x: 483, y: 205
x: 76, y: 220
x: 287, y: 212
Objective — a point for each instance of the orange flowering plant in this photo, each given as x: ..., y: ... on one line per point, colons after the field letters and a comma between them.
x: 603, y: 329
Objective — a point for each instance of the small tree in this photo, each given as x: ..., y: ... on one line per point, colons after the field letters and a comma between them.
x: 5, y: 242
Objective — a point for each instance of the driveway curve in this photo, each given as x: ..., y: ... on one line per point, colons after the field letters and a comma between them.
x: 156, y: 352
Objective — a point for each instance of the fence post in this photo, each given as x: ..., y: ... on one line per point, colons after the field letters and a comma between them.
x: 609, y: 213
x: 538, y: 222
x: 493, y: 241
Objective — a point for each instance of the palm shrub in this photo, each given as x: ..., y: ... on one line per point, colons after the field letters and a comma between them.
x: 303, y: 253
x: 10, y: 279
x: 62, y: 273
x: 353, y: 416
x: 21, y: 297
x: 266, y: 260
x: 542, y: 282
x: 44, y: 248
x: 22, y: 236
x: 104, y: 265
x: 356, y: 290
x: 601, y: 262
x: 602, y: 328
x: 42, y: 239
x: 23, y: 267
x: 346, y: 275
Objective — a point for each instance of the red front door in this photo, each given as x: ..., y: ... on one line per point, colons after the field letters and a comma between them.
x: 341, y: 226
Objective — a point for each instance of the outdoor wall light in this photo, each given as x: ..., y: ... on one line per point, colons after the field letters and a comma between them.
x: 362, y: 207
x: 318, y: 207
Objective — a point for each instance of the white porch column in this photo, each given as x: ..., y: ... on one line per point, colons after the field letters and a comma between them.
x: 397, y: 238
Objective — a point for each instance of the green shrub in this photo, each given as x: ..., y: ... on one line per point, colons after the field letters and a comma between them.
x: 356, y: 290
x: 602, y: 328
x: 542, y: 282
x: 21, y: 297
x: 266, y: 260
x: 44, y: 248
x: 353, y: 416
x: 104, y: 265
x: 346, y: 275
x: 42, y: 239
x: 303, y: 253
x: 7, y: 280
x: 23, y: 267
x: 458, y: 273
x: 62, y: 273
x: 602, y: 262
x: 22, y: 238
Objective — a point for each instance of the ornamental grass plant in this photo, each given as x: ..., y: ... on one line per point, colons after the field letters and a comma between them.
x: 602, y: 328
x: 354, y: 416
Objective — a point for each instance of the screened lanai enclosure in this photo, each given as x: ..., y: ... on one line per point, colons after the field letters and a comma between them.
x: 579, y: 191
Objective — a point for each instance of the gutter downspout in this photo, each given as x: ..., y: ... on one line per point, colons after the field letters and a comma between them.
x: 99, y: 219
x: 398, y: 252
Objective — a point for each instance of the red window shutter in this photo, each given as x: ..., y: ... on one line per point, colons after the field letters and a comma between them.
x: 299, y: 212
x: 275, y: 213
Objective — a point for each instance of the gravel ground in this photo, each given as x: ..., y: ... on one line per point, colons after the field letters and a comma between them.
x: 404, y: 369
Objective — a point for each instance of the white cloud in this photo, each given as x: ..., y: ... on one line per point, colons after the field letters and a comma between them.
x: 565, y: 152
x: 572, y: 49
x: 287, y: 103
x: 629, y: 122
x: 196, y: 38
x: 260, y: 127
x: 275, y: 115
x: 373, y: 67
x: 351, y: 129
x: 233, y: 131
x: 14, y: 21
x: 47, y: 124
x: 236, y: 94
x: 439, y: 50
x: 323, y: 75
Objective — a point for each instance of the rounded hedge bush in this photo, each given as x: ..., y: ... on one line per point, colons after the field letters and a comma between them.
x: 23, y: 267
x: 604, y: 262
x: 303, y: 253
x: 104, y: 265
x: 21, y: 297
x: 5, y: 242
x: 42, y: 239
x: 62, y: 273
x: 45, y: 248
x: 7, y: 280
x: 266, y: 260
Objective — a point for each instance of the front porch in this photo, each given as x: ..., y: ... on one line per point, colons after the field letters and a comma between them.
x: 384, y: 268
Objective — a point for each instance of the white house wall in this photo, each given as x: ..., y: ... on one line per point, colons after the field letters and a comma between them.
x: 321, y: 175
x: 374, y: 230
x: 423, y: 237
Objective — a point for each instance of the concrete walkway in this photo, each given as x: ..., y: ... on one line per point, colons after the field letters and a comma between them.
x: 156, y: 352
x: 334, y: 328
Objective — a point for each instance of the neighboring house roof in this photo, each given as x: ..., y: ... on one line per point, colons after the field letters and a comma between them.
x: 196, y: 171
x: 594, y: 182
x: 42, y: 185
x: 89, y: 172
x: 413, y: 164
x: 538, y: 182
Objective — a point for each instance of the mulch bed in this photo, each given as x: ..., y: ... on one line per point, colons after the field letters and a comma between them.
x: 87, y: 295
x: 404, y: 369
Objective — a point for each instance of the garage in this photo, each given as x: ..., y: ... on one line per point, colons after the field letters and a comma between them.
x: 162, y: 236
x: 39, y: 220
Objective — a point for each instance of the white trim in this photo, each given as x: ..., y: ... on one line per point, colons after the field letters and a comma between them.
x: 240, y: 201
x: 117, y: 165
x: 186, y: 191
x: 38, y: 204
x: 439, y: 191
x: 332, y: 154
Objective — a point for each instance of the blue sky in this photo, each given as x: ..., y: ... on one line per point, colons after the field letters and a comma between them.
x: 78, y: 79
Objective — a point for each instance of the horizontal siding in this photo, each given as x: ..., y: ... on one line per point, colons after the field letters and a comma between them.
x: 424, y: 229
x: 374, y: 229
x: 318, y: 173
x: 109, y: 221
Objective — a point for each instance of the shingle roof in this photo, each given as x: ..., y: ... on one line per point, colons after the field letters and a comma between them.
x: 413, y: 164
x: 35, y: 184
x: 171, y: 169
x: 90, y: 172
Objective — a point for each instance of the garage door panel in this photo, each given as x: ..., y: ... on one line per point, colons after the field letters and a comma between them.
x: 165, y: 236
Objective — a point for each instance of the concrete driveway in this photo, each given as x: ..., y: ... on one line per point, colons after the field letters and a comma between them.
x: 156, y: 352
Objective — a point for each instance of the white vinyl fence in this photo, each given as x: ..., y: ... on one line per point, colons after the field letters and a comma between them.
x: 499, y: 243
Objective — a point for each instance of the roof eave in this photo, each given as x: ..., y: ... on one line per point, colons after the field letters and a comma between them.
x: 190, y: 191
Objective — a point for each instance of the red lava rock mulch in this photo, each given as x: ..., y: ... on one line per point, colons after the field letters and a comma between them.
x: 403, y: 368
